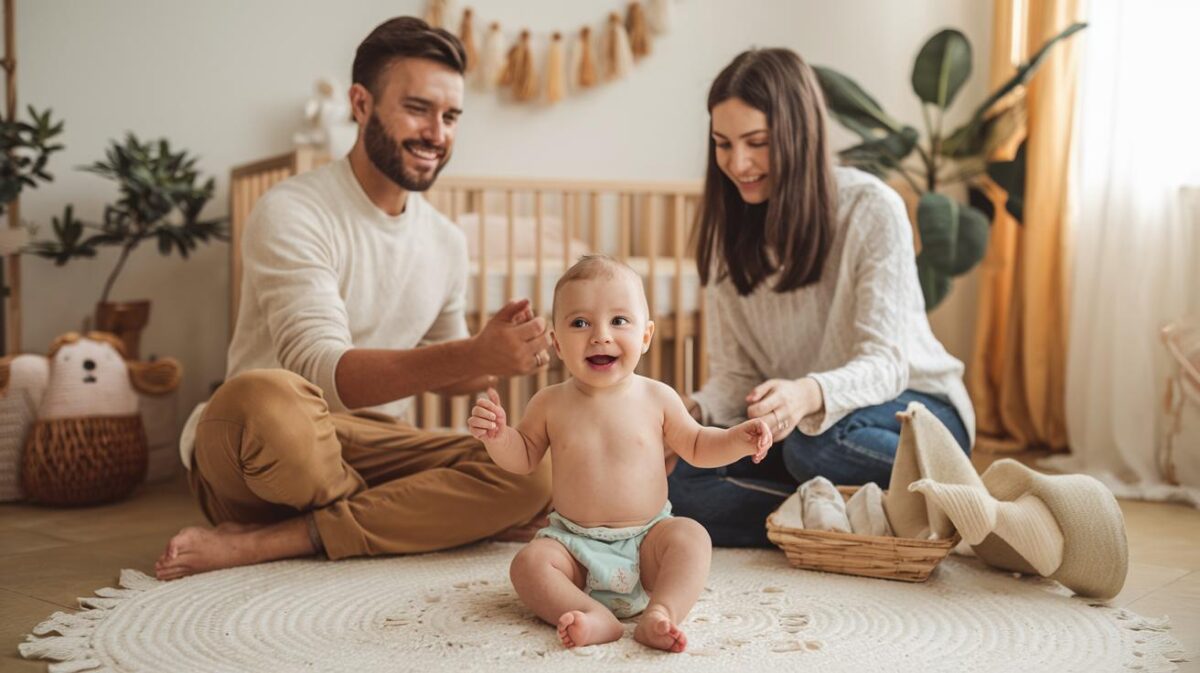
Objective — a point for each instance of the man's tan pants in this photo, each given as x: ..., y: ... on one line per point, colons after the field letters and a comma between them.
x: 268, y: 449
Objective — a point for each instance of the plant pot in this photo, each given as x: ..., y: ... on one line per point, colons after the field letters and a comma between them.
x: 126, y: 320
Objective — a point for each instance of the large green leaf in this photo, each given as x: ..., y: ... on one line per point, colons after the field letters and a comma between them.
x: 973, y: 231
x: 1010, y: 175
x: 937, y: 222
x: 881, y: 155
x: 935, y: 285
x: 852, y: 106
x: 941, y: 68
x: 971, y: 137
x: 953, y: 235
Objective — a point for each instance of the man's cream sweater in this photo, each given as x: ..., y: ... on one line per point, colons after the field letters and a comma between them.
x: 325, y: 271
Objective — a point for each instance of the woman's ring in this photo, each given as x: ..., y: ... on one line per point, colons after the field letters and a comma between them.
x: 538, y: 358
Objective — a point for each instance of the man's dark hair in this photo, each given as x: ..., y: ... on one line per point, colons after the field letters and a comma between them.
x: 405, y: 37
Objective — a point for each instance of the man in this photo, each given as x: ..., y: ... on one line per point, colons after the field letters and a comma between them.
x: 353, y: 299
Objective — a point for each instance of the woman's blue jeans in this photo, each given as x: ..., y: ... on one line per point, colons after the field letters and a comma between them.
x: 733, y: 502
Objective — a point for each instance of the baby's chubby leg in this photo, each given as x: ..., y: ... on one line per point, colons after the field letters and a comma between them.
x: 550, y: 582
x: 675, y: 558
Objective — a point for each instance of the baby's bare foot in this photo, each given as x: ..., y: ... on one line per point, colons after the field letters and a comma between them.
x: 655, y: 629
x: 577, y: 628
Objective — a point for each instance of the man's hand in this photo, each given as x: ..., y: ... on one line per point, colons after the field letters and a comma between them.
x: 487, y: 419
x: 782, y: 403
x: 513, y: 342
x: 755, y: 434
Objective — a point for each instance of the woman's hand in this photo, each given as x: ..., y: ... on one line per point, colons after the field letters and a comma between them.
x: 782, y: 403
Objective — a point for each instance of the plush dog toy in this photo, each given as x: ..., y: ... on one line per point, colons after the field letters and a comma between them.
x: 88, y: 444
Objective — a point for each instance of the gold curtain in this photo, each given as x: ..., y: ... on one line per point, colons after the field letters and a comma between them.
x: 1017, y: 372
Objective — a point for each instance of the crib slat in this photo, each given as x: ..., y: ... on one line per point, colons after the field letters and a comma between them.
x: 594, y: 214
x: 677, y: 297
x: 515, y: 406
x: 624, y: 205
x: 481, y: 260
x: 651, y: 236
x: 543, y: 377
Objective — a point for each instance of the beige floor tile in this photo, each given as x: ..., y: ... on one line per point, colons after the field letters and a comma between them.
x: 20, y: 541
x: 161, y: 508
x: 1179, y: 600
x: 18, y: 615
x: 1145, y: 578
x: 59, y: 575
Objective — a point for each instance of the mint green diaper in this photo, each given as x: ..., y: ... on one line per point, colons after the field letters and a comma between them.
x: 611, y: 557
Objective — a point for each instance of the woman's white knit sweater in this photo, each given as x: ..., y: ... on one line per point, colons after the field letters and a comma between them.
x: 860, y: 332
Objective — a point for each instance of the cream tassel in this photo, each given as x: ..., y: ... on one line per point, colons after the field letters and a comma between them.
x: 618, y: 58
x: 466, y: 33
x: 659, y: 16
x: 555, y: 77
x: 639, y: 35
x: 491, y: 59
x: 435, y: 13
x: 583, y: 61
x: 525, y: 80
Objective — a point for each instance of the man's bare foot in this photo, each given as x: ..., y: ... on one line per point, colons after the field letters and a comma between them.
x: 196, y: 550
x: 577, y: 628
x: 655, y: 629
x: 235, y: 527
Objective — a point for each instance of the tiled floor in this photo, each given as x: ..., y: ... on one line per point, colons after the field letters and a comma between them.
x: 48, y: 557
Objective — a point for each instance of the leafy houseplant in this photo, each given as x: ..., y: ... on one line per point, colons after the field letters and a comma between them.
x: 25, y: 148
x: 953, y: 235
x: 160, y: 199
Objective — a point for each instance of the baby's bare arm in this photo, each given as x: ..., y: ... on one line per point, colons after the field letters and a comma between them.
x: 517, y: 449
x: 710, y: 447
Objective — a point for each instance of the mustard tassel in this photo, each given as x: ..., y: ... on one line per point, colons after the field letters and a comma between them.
x: 583, y: 62
x: 659, y: 16
x: 491, y: 60
x: 618, y: 57
x: 466, y: 33
x: 435, y: 13
x: 639, y: 34
x: 525, y: 80
x: 555, y: 77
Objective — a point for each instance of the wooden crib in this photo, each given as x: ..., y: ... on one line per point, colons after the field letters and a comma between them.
x: 523, y: 233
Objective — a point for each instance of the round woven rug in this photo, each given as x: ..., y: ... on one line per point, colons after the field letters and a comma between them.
x: 457, y: 611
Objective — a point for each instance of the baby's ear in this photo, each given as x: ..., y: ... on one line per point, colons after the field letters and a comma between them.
x: 648, y: 336
x: 554, y: 340
x: 155, y: 378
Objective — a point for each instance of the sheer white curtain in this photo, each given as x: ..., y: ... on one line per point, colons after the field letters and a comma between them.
x: 1135, y: 239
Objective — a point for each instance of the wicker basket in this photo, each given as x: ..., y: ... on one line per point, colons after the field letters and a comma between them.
x: 891, y: 558
x: 84, y: 461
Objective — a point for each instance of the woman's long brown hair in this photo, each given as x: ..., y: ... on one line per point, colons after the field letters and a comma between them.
x: 796, y: 222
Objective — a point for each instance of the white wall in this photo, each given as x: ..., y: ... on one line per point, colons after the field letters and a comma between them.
x: 227, y: 78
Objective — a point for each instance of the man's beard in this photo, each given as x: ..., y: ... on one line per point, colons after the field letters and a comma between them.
x: 387, y: 156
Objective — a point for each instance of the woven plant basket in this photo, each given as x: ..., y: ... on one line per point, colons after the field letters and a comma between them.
x: 84, y: 461
x: 891, y: 558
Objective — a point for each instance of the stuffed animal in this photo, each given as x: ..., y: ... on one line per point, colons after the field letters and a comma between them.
x: 88, y: 444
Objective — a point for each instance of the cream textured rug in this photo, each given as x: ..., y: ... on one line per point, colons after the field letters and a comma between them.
x: 457, y: 611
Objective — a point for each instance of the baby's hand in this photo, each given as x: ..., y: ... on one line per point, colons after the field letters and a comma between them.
x: 757, y: 435
x: 487, y: 418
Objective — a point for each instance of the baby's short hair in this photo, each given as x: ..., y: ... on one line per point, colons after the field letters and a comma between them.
x: 593, y: 266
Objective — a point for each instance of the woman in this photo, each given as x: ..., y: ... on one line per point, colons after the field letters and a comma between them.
x: 816, y: 322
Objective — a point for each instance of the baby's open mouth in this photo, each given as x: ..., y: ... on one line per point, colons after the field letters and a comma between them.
x: 601, y: 360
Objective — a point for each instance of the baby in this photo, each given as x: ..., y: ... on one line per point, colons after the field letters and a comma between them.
x: 612, y: 549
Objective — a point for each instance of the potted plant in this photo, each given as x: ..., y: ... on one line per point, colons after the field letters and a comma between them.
x: 161, y: 197
x: 953, y: 235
